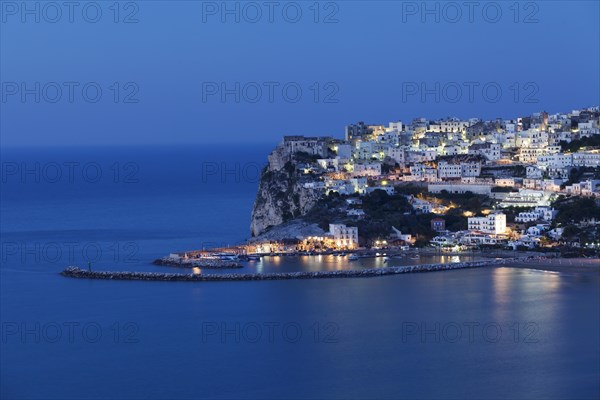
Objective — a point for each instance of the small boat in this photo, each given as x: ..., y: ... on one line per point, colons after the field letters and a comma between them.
x: 352, y: 257
x: 226, y: 256
x: 415, y: 257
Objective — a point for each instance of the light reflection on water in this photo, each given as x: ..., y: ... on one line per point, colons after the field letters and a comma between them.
x: 330, y: 262
x: 509, y: 284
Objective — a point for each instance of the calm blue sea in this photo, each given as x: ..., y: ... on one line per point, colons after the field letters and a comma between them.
x: 485, y: 333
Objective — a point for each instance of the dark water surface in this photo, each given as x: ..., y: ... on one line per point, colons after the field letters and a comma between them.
x: 483, y: 333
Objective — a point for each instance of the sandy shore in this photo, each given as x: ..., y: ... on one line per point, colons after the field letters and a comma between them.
x: 579, y: 265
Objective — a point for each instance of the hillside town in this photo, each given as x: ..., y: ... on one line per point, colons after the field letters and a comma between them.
x: 525, y: 183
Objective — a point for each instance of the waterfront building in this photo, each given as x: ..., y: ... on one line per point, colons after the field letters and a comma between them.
x: 345, y: 237
x: 476, y: 238
x: 494, y: 223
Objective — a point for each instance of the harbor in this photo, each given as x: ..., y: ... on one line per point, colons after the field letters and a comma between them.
x: 217, y: 260
x: 76, y: 272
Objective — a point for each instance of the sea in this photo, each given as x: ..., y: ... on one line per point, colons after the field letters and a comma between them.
x: 485, y: 333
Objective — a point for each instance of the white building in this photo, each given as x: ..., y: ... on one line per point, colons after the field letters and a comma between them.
x: 344, y: 236
x: 369, y: 150
x: 397, y: 154
x: 420, y: 155
x: 491, y: 151
x: 343, y: 150
x: 447, y: 170
x: 328, y: 163
x: 585, y: 188
x: 470, y: 169
x: 533, y: 172
x: 464, y: 169
x: 526, y: 198
x: 505, y: 182
x: 532, y: 183
x: 367, y: 169
x: 551, y: 185
x: 420, y: 205
x: 478, y: 238
x: 493, y: 224
x: 402, y: 236
x: 586, y: 158
x: 539, y: 213
x: 453, y: 125
x: 395, y: 126
x: 558, y: 160
x: 537, y: 230
x: 346, y: 186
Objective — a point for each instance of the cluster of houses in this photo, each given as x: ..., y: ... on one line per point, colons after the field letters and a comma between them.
x: 492, y: 229
x: 339, y: 238
x: 518, y: 163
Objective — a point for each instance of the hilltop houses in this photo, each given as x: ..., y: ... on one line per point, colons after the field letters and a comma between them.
x: 521, y: 165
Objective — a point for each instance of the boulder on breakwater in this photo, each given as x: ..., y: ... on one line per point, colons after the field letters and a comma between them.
x: 76, y: 272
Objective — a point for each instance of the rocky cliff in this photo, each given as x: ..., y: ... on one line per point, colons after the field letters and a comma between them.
x: 281, y: 197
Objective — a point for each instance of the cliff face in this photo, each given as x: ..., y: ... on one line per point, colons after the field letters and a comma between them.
x: 280, y: 198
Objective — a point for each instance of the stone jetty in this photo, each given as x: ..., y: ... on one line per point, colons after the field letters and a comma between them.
x: 76, y: 272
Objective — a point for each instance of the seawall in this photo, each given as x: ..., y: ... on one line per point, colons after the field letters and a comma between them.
x: 76, y: 272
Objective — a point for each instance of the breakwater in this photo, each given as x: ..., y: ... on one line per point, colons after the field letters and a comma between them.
x: 76, y: 272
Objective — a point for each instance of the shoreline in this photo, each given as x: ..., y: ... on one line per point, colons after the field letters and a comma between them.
x: 78, y: 273
x: 559, y: 265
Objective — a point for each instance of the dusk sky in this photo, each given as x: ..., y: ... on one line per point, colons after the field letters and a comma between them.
x: 370, y: 62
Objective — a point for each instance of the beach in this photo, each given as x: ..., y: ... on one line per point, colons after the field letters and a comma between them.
x: 562, y: 265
